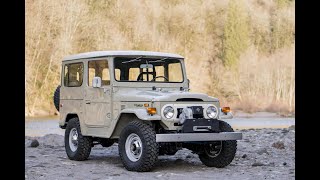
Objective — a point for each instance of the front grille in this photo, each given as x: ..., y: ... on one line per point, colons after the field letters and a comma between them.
x: 179, y: 112
x: 197, y: 111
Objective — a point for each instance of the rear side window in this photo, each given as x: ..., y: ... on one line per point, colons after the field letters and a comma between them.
x: 73, y: 75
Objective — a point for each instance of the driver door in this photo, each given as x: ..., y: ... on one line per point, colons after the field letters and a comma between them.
x: 97, y: 99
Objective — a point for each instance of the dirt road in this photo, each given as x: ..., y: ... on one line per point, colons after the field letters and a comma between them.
x: 257, y: 158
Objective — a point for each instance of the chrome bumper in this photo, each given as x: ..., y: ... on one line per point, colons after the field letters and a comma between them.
x: 189, y: 137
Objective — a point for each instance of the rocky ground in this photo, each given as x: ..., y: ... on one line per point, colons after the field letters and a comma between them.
x: 261, y: 154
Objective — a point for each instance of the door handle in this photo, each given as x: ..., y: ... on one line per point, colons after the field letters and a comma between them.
x: 88, y: 102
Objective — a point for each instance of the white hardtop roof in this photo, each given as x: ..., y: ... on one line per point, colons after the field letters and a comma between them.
x: 96, y: 54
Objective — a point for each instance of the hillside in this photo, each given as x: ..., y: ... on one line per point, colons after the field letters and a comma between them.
x: 241, y: 51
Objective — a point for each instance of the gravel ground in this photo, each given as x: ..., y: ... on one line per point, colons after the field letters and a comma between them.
x: 261, y: 154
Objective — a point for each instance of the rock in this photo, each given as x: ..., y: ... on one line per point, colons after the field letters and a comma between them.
x: 178, y: 161
x: 34, y: 143
x: 284, y: 163
x: 285, y: 131
x: 271, y: 164
x: 292, y: 127
x: 244, y: 156
x: 261, y: 151
x: 278, y: 145
x: 258, y: 164
x: 52, y: 140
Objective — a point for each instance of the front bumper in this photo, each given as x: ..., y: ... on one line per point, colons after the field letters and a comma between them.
x: 190, y: 137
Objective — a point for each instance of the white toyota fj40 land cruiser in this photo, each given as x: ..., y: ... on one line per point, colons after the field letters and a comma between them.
x: 140, y: 100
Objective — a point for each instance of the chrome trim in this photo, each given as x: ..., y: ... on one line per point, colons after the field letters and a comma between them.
x: 201, y: 128
x: 188, y: 137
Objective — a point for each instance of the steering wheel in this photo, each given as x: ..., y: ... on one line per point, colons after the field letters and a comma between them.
x: 140, y: 77
x: 160, y: 77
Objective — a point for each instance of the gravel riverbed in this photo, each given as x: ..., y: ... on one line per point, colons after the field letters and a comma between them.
x: 261, y: 154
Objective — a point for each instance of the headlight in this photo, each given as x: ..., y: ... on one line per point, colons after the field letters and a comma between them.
x: 212, y: 112
x: 168, y: 112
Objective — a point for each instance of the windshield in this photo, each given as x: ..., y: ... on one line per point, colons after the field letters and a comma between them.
x: 140, y: 69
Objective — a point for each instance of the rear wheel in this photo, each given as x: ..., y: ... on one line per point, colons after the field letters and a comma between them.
x: 78, y: 147
x: 138, y: 149
x: 220, y: 153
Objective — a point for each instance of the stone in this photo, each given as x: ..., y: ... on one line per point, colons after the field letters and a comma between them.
x: 244, y: 156
x: 285, y: 131
x: 278, y: 145
x: 292, y: 127
x: 34, y: 143
x: 284, y: 163
x: 258, y: 164
x: 261, y: 151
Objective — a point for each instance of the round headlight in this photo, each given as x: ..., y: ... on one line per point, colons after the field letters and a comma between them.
x: 168, y: 112
x: 212, y: 112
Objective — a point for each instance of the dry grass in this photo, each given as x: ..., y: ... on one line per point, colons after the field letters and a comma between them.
x: 263, y: 77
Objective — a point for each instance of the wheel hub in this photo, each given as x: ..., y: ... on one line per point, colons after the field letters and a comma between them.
x: 214, y: 149
x: 73, y: 139
x: 133, y: 147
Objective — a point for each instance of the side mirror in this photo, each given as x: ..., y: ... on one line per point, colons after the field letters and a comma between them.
x: 96, y: 82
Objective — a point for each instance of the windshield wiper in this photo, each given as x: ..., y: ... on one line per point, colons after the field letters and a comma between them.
x: 133, y: 60
x: 160, y: 60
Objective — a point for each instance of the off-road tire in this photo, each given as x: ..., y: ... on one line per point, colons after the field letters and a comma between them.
x: 227, y: 153
x: 56, y: 97
x: 150, y: 147
x: 84, y: 142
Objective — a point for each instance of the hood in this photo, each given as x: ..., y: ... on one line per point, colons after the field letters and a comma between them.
x: 164, y: 95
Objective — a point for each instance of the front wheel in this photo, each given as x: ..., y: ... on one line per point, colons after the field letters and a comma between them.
x: 138, y: 149
x: 220, y: 153
x: 78, y: 147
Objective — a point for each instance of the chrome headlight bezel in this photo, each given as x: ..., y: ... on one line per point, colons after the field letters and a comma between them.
x: 168, y: 112
x: 210, y: 109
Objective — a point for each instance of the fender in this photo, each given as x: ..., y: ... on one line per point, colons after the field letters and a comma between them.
x: 118, y: 124
x: 140, y: 113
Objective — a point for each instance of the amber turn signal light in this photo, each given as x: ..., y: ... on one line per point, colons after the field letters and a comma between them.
x: 151, y: 110
x: 225, y: 109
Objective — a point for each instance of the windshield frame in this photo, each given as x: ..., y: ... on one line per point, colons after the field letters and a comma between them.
x: 156, y: 58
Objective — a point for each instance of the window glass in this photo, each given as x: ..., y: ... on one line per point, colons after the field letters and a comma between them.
x: 73, y: 75
x: 99, y: 68
x: 133, y: 74
x: 160, y: 72
x: 117, y: 73
x: 149, y: 69
x: 65, y: 77
x: 173, y: 68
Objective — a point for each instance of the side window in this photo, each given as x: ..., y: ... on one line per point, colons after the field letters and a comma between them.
x: 73, y: 75
x: 117, y: 74
x: 65, y: 77
x: 99, y: 68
